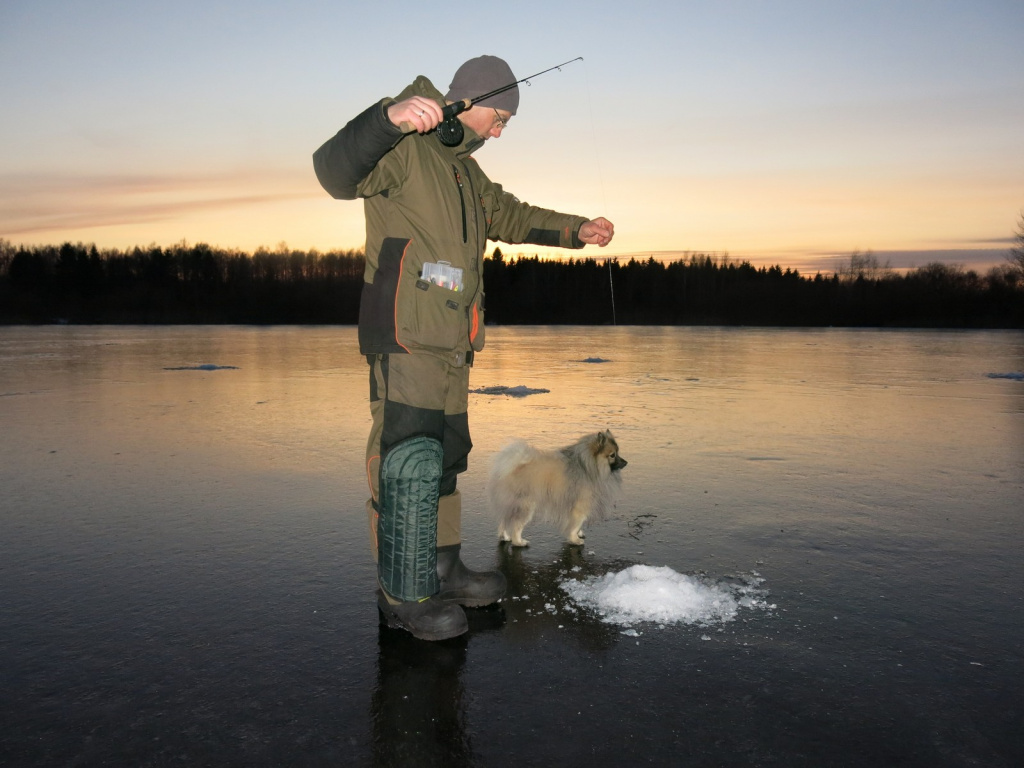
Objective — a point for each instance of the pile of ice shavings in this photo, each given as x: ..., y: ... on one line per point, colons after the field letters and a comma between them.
x: 659, y: 594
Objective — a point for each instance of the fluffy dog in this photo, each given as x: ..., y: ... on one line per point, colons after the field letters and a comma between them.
x: 564, y: 487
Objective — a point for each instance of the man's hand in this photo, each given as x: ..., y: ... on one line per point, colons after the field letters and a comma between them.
x: 598, y: 231
x: 415, y: 114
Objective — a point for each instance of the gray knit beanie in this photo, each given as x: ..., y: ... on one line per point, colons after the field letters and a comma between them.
x: 483, y: 75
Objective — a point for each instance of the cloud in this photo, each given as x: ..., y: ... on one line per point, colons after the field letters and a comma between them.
x: 995, y: 241
x: 979, y: 259
x: 35, y: 204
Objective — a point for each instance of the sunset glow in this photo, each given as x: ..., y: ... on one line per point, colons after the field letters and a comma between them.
x: 791, y: 133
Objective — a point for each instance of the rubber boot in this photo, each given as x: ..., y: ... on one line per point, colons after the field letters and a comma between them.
x: 472, y: 589
x: 427, y: 619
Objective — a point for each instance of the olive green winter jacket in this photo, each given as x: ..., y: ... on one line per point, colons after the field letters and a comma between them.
x: 426, y: 203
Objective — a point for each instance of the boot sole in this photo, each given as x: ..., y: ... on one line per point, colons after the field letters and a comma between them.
x: 467, y: 602
x: 390, y: 620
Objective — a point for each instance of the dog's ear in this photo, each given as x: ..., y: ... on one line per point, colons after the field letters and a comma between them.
x: 599, y: 445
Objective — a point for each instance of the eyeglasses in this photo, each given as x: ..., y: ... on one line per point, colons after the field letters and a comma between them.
x: 500, y: 123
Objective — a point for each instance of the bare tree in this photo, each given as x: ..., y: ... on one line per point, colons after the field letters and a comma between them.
x: 7, y: 251
x: 1016, y: 257
x: 864, y: 265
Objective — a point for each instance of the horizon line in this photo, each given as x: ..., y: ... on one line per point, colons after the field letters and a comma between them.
x: 820, y: 259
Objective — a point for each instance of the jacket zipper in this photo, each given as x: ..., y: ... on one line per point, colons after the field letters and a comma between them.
x: 462, y: 200
x: 474, y: 307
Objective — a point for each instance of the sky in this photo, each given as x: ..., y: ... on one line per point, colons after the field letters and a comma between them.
x: 792, y: 132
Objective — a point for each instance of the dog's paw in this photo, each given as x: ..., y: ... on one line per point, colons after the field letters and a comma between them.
x: 576, y: 540
x: 520, y: 542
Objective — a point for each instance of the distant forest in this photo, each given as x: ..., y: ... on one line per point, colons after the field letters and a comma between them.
x: 76, y: 283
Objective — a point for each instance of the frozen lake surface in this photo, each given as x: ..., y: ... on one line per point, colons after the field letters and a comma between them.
x: 816, y: 560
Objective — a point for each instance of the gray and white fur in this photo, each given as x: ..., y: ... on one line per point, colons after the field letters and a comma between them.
x: 565, y: 487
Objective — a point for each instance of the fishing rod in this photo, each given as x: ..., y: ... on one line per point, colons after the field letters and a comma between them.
x: 450, y: 130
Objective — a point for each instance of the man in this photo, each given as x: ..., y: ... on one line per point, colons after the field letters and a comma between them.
x: 429, y: 212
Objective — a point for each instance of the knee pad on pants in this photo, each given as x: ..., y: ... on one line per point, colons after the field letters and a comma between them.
x: 410, y: 478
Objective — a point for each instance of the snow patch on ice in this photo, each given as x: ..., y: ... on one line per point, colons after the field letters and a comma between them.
x: 519, y: 391
x: 659, y: 594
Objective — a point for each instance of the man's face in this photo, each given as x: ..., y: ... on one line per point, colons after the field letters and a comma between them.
x: 486, y: 122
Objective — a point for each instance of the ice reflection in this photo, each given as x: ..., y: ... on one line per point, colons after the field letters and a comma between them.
x: 212, y: 520
x: 418, y: 705
x: 537, y: 608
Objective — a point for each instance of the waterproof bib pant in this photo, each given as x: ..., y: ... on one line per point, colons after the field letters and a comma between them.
x: 415, y: 397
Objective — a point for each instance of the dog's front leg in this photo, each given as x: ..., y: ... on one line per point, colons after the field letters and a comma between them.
x: 576, y: 519
x: 518, y: 540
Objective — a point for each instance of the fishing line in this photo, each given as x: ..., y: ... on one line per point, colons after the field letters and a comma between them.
x: 600, y: 177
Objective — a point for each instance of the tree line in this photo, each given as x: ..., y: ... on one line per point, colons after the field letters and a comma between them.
x: 183, y: 283
x: 199, y: 283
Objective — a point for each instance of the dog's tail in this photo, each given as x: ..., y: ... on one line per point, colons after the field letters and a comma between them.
x: 515, y: 454
x: 508, y: 458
